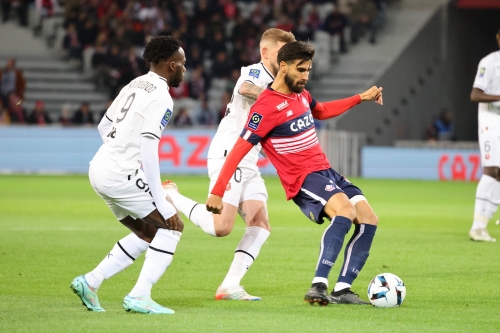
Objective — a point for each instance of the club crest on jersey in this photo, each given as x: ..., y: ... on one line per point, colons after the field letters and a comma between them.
x: 255, y: 73
x: 281, y: 106
x: 255, y: 120
x: 289, y: 113
x: 482, y: 70
x: 166, y: 118
x: 305, y: 102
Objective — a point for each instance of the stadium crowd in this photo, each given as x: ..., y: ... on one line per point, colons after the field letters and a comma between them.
x: 105, y: 39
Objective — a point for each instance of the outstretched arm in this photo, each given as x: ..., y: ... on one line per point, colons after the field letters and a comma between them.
x: 250, y: 90
x: 335, y: 108
x: 240, y: 149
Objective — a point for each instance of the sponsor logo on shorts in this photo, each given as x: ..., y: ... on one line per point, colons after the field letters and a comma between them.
x: 255, y: 121
x: 311, y: 215
x: 281, y: 106
x: 329, y: 188
x: 228, y: 187
x: 482, y: 70
x: 166, y: 118
x: 255, y: 73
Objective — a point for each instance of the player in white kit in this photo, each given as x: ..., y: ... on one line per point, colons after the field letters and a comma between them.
x: 246, y: 194
x: 131, y: 131
x: 486, y: 91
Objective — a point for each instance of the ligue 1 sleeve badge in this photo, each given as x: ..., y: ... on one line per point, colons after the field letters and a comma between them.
x: 166, y: 118
x: 255, y: 121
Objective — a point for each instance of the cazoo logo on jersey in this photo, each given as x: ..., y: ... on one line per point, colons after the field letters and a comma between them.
x: 302, y: 122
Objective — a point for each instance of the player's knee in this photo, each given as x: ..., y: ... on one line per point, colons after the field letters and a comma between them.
x: 261, y: 223
x: 371, y: 219
x: 222, y: 231
x: 348, y: 212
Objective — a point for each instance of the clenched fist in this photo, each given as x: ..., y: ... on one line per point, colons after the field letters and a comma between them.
x: 373, y: 94
x: 214, y: 204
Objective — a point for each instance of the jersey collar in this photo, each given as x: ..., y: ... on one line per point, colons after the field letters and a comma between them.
x: 160, y: 77
x: 267, y: 71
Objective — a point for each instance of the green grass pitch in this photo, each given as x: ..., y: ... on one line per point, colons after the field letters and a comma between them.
x: 53, y: 228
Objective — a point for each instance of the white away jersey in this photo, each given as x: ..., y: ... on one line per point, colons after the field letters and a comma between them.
x: 237, y: 113
x: 488, y: 79
x: 143, y: 108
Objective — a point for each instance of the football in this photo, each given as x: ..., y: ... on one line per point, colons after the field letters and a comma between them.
x: 386, y: 290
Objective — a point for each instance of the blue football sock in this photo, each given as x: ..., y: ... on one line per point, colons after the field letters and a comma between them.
x: 356, y: 252
x: 331, y: 244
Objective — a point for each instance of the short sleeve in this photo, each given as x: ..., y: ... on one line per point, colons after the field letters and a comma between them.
x: 485, y: 73
x: 312, y: 102
x: 156, y: 117
x: 262, y: 119
x: 257, y: 76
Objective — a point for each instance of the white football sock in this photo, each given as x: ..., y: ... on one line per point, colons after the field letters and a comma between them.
x: 196, y: 212
x: 123, y: 254
x: 484, y: 208
x: 341, y: 285
x: 158, y: 257
x: 247, y: 251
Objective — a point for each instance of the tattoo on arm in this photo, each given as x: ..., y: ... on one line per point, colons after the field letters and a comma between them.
x: 242, y: 214
x: 250, y: 90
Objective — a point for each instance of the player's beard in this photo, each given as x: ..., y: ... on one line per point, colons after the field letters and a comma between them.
x: 275, y: 68
x: 291, y: 85
x: 177, y: 79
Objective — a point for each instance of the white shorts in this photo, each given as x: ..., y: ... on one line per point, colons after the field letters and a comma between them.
x: 124, y: 197
x: 246, y: 183
x: 489, y: 138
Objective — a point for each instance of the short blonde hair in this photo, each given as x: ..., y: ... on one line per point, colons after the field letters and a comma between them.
x: 275, y: 35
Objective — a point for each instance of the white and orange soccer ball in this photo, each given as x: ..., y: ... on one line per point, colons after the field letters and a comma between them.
x: 386, y: 290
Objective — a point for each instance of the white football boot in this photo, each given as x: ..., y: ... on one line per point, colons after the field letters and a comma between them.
x: 480, y: 235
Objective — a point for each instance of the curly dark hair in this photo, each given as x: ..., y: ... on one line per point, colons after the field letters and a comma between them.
x: 296, y: 51
x: 161, y: 48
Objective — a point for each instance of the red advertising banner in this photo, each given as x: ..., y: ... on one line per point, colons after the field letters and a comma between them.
x: 478, y: 4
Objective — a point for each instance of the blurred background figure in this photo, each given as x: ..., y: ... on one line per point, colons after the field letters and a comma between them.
x: 182, y: 119
x: 363, y: 16
x: 65, y: 116
x: 39, y: 116
x: 205, y: 115
x: 11, y: 80
x: 444, y: 125
x: 83, y: 116
x: 17, y: 113
x: 4, y: 114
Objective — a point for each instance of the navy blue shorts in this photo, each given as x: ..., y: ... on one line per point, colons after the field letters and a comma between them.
x: 318, y: 188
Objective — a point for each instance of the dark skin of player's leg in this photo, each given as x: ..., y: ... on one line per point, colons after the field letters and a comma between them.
x: 146, y: 227
x: 493, y: 172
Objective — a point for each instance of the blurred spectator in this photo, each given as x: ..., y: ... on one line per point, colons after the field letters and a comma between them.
x: 194, y: 59
x: 335, y: 24
x: 11, y: 80
x: 231, y: 83
x: 4, y: 114
x: 226, y: 98
x: 221, y: 67
x: 72, y: 45
x: 444, y: 125
x: 430, y: 131
x: 206, y: 116
x: 17, y: 113
x: 218, y: 44
x: 182, y: 119
x: 83, y: 116
x: 303, y: 31
x: 88, y: 34
x: 314, y: 19
x: 284, y: 23
x: 182, y: 91
x: 198, y: 83
x: 39, y: 116
x: 65, y: 117
x: 363, y: 15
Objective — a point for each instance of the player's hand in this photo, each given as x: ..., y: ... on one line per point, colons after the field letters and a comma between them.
x: 174, y: 222
x: 214, y: 204
x: 373, y: 94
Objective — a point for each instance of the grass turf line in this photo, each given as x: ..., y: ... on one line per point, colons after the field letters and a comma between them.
x: 55, y: 228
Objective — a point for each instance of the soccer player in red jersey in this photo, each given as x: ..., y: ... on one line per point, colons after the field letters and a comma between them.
x: 282, y: 120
